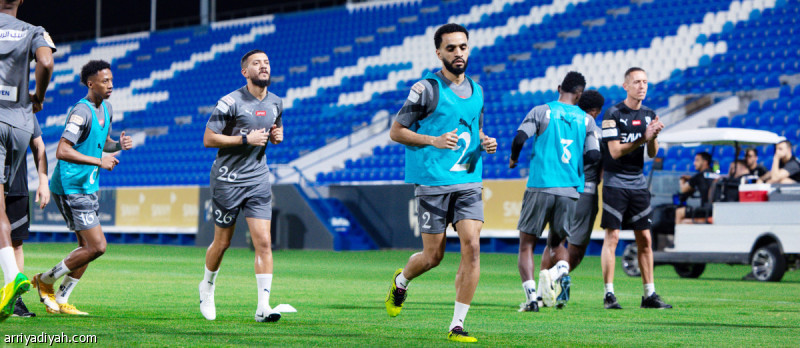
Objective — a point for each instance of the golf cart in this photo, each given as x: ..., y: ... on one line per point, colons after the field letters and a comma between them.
x: 764, y: 233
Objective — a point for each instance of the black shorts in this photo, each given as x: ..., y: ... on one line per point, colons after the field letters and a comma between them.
x: 626, y: 209
x: 17, y: 210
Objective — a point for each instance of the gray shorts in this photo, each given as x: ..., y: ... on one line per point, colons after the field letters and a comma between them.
x: 435, y: 212
x: 583, y: 220
x: 79, y: 210
x: 255, y: 201
x: 540, y: 208
x: 13, y: 145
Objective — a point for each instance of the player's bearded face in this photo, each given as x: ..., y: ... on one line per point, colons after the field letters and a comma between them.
x: 453, y: 68
x: 262, y: 83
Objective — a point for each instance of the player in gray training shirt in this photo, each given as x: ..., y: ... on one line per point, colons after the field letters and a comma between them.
x: 17, y: 207
x: 240, y: 127
x: 19, y: 43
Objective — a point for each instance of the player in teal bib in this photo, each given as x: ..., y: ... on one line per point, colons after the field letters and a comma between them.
x: 440, y: 125
x: 428, y: 165
x: 557, y: 159
x: 74, y: 184
x: 70, y: 177
x: 563, y: 134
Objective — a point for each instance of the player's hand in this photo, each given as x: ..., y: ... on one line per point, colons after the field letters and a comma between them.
x: 258, y: 137
x: 447, y: 140
x: 125, y: 141
x: 489, y: 144
x: 653, y: 129
x: 685, y: 178
x: 512, y: 163
x: 276, y: 134
x: 43, y: 195
x: 36, y: 103
x: 109, y: 162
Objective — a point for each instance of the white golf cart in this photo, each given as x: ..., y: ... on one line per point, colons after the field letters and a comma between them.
x: 764, y: 234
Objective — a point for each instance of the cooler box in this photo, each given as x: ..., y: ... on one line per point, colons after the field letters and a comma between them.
x: 754, y: 192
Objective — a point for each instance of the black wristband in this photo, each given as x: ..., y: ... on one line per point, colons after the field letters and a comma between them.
x: 244, y: 139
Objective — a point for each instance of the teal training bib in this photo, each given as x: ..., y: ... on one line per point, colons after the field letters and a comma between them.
x: 69, y: 178
x: 430, y: 166
x: 557, y: 159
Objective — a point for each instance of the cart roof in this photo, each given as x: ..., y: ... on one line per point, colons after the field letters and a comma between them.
x: 720, y: 136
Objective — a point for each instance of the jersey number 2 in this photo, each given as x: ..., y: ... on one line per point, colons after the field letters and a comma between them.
x: 460, y: 167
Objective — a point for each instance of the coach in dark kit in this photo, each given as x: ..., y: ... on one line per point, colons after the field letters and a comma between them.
x: 627, y: 128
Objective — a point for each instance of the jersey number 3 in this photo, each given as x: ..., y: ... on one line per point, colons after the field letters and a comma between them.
x: 566, y: 156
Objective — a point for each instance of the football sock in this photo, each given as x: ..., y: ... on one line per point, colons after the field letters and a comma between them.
x: 459, y: 314
x: 9, y: 264
x: 530, y: 290
x: 562, y: 268
x: 401, y: 282
x: 649, y: 289
x: 609, y: 288
x: 67, y: 285
x: 264, y: 282
x: 54, y: 274
x: 209, y: 277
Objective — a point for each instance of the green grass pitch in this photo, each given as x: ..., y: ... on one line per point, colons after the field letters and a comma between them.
x: 142, y: 295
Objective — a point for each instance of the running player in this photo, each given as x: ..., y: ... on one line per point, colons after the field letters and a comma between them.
x: 587, y: 207
x: 75, y: 184
x: 20, y: 43
x: 561, y: 133
x: 627, y: 128
x: 441, y: 126
x: 17, y: 207
x: 240, y: 126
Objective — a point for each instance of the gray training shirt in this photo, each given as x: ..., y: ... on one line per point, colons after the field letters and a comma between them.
x: 536, y: 121
x: 237, y: 114
x: 421, y: 102
x: 18, y: 44
x: 79, y: 122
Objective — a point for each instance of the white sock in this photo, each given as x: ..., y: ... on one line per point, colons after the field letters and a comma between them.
x: 560, y: 269
x: 401, y: 282
x: 264, y: 282
x: 67, y: 285
x: 649, y: 289
x: 209, y: 277
x: 9, y: 264
x: 54, y: 274
x: 459, y: 314
x: 609, y: 288
x: 529, y: 286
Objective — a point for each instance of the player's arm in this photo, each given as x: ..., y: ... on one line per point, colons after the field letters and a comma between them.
x: 40, y: 158
x: 257, y: 137
x: 777, y: 174
x: 125, y: 143
x: 415, y: 108
x: 686, y: 185
x: 66, y: 152
x: 44, y: 70
x: 591, y: 146
x: 276, y: 132
x: 530, y: 126
x: 617, y: 149
x: 488, y: 143
x: 405, y: 136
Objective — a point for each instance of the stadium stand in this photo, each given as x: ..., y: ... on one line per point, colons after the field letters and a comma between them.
x: 338, y: 67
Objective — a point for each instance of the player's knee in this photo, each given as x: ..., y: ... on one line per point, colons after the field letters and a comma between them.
x: 432, y: 260
x: 221, y: 244
x: 471, y: 250
x: 97, y: 250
